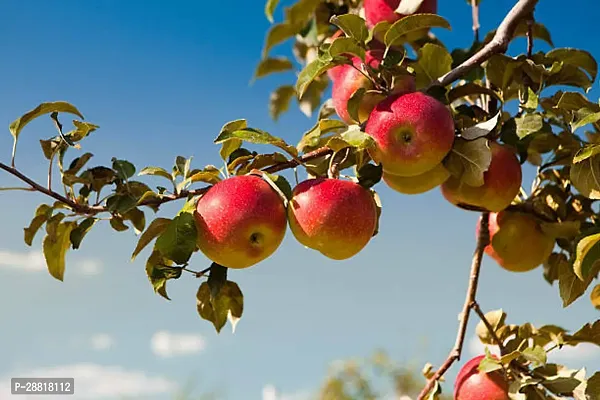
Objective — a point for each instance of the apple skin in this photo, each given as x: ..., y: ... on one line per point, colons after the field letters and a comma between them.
x: 333, y: 216
x: 413, y: 133
x: 472, y: 384
x: 502, y: 182
x: 383, y: 10
x: 240, y: 221
x: 517, y: 242
x: 417, y: 184
x: 347, y: 80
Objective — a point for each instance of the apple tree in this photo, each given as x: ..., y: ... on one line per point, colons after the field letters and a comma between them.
x: 406, y: 111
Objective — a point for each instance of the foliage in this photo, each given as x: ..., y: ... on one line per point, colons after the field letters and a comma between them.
x: 554, y: 127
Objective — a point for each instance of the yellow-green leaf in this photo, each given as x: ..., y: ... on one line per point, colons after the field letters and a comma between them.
x: 412, y: 23
x: 496, y: 319
x: 280, y: 99
x: 45, y: 108
x: 481, y: 129
x: 528, y: 124
x: 576, y: 57
x: 272, y: 65
x: 227, y: 304
x: 595, y: 296
x: 178, y: 241
x: 159, y: 270
x: 585, y: 176
x: 313, y: 70
x: 55, y: 246
x: 433, y: 61
x: 256, y: 136
x: 42, y: 214
x: 468, y: 160
x: 270, y: 7
x: 346, y: 45
x: 157, y: 171
x: 588, y: 254
x: 352, y: 25
x: 155, y: 228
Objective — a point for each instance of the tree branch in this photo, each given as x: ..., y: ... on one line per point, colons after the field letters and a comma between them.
x: 475, y: 16
x: 482, y: 241
x: 498, y: 44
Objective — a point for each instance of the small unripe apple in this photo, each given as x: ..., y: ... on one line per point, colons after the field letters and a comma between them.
x: 501, y: 183
x: 333, y: 216
x: 517, y: 242
x: 240, y: 221
x: 417, y: 184
x: 413, y: 133
x: 472, y: 384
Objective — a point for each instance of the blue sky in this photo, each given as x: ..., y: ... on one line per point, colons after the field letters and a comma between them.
x: 161, y: 79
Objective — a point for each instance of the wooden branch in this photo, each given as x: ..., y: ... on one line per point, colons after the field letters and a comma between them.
x: 482, y: 241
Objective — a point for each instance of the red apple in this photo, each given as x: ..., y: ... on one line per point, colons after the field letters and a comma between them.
x: 384, y: 10
x: 413, y: 133
x: 472, y: 384
x: 502, y: 183
x: 240, y: 221
x: 517, y: 242
x: 333, y: 216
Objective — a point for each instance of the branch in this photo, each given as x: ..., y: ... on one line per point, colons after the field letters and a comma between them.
x: 498, y: 44
x: 482, y: 241
x: 475, y: 307
x: 475, y: 15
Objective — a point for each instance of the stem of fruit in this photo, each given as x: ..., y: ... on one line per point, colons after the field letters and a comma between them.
x: 482, y: 241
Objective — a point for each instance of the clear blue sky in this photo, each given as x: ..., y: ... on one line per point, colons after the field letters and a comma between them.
x: 161, y: 78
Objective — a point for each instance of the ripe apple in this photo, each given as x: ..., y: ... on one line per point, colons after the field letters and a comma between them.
x: 347, y: 79
x: 472, y: 384
x: 333, y: 216
x: 502, y: 182
x: 384, y: 10
x: 517, y: 242
x: 413, y: 133
x: 417, y: 184
x: 240, y: 221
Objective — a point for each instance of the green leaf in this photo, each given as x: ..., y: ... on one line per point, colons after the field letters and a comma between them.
x: 256, y: 136
x: 352, y: 25
x: 536, y: 354
x: 481, y: 129
x: 137, y: 219
x: 593, y: 385
x: 158, y: 274
x: 346, y: 45
x: 595, y: 297
x: 279, y: 101
x: 489, y: 364
x: 78, y: 163
x: 585, y: 176
x: 468, y: 160
x: 227, y: 304
x: 314, y: 69
x: 272, y: 65
x: 81, y: 131
x: 156, y: 227
x: 564, y: 229
x: 123, y: 168
x: 55, y: 246
x: 263, y: 160
x: 570, y: 286
x: 496, y: 319
x: 80, y: 231
x: 311, y: 99
x: 577, y: 58
x: 412, y: 23
x: 354, y: 103
x: 156, y: 171
x: 588, y: 253
x: 585, y: 117
x: 589, y: 333
x: 281, y: 185
x: 433, y: 62
x: 369, y: 175
x: 116, y: 222
x: 355, y: 137
x: 178, y: 241
x: 278, y: 34
x: 500, y: 70
x: 469, y: 89
x: 528, y: 124
x: 322, y: 127
x: 42, y: 213
x: 45, y: 108
x: 270, y: 7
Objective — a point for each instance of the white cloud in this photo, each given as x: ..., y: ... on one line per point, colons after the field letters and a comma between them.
x: 167, y: 344
x: 34, y: 261
x: 477, y: 348
x: 571, y: 355
x: 102, y: 341
x: 269, y: 392
x: 93, y: 381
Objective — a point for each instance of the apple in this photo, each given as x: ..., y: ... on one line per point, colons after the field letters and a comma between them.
x: 413, y: 133
x: 502, y: 183
x: 517, y: 242
x: 472, y: 384
x: 333, y: 216
x: 347, y: 79
x: 384, y: 10
x: 240, y: 221
x: 417, y: 184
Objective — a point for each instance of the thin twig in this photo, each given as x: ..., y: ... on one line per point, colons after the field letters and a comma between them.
x: 454, y: 355
x: 475, y: 14
x: 530, y: 22
x: 475, y: 307
x: 498, y: 44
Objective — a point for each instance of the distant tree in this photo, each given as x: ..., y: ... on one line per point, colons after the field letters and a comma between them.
x: 411, y: 113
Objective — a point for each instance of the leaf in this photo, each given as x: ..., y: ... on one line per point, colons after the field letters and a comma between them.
x: 489, y: 364
x: 481, y: 129
x: 81, y: 131
x: 537, y: 355
x: 595, y: 296
x: 587, y: 254
x: 496, y: 319
x: 256, y: 136
x: 156, y: 227
x: 586, y: 152
x: 565, y: 229
x: 585, y: 117
x: 311, y: 100
x: 278, y: 34
x: 178, y: 241
x: 468, y: 160
x: 137, y: 219
x: 345, y: 45
x: 585, y: 176
x: 469, y: 89
x: 570, y: 286
x: 280, y: 184
x: 42, y: 213
x: 593, y: 386
x: 116, y: 222
x: 310, y: 72
x: 279, y: 101
x: 270, y: 7
x: 528, y: 124
x: 589, y: 333
x: 55, y: 246
x: 412, y: 23
x: 433, y: 62
x: 322, y: 127
x: 123, y: 168
x: 158, y: 272
x: 272, y: 65
x: 78, y: 163
x: 157, y: 171
x: 576, y: 57
x: 45, y: 108
x: 352, y: 25
x: 355, y: 137
x: 539, y: 31
x: 78, y: 233
x: 369, y: 175
x: 263, y: 160
x: 500, y: 70
x: 228, y: 303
